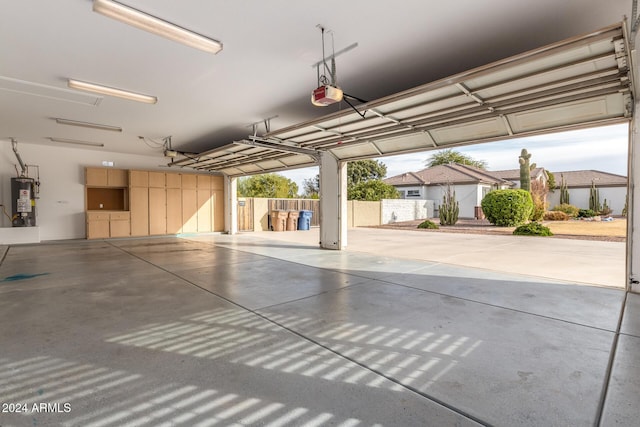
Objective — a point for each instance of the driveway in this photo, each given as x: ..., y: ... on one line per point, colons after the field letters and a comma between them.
x: 571, y: 260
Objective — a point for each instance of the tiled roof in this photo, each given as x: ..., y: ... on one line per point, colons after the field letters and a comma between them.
x: 452, y: 173
x: 514, y: 174
x: 583, y: 178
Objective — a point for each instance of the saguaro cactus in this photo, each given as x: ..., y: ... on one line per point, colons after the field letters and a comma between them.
x: 594, y: 198
x: 449, y: 209
x: 525, y: 169
x: 564, y: 191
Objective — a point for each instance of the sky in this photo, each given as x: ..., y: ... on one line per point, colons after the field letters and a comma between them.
x: 603, y: 148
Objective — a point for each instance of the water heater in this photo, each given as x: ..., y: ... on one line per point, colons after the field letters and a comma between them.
x: 23, y: 202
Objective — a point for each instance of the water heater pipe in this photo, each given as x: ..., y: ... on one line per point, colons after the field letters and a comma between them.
x: 14, y: 145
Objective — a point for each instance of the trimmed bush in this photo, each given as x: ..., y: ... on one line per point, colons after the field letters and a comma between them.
x: 532, y: 229
x: 570, y: 210
x: 506, y: 208
x: 586, y: 213
x: 556, y: 216
x: 428, y: 224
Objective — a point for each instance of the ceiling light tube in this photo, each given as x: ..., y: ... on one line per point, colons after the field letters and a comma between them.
x: 111, y: 91
x: 150, y: 23
x: 88, y: 125
x: 75, y: 142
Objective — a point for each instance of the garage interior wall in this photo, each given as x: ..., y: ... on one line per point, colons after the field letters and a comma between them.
x: 61, y: 207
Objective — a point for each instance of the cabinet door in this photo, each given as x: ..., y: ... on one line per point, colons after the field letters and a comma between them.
x: 189, y: 181
x: 97, y: 229
x: 117, y: 178
x: 139, y: 178
x: 217, y: 201
x: 157, y: 211
x: 204, y: 210
x: 139, y: 206
x: 189, y: 211
x: 157, y: 179
x: 96, y: 176
x: 217, y: 183
x: 173, y: 180
x: 120, y: 228
x: 174, y: 210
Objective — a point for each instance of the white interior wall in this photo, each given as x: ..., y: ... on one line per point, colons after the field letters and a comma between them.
x: 60, y: 208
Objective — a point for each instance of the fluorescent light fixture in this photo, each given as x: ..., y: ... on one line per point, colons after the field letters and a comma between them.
x: 76, y: 142
x: 150, y: 23
x: 88, y: 125
x: 111, y: 91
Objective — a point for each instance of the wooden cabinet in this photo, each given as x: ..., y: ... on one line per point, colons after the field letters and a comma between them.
x: 157, y: 211
x: 189, y: 210
x: 174, y: 210
x: 217, y: 200
x: 157, y: 179
x: 189, y: 181
x: 139, y: 205
x: 102, y: 225
x: 117, y: 178
x: 204, y: 202
x: 143, y: 203
x: 174, y: 180
x: 96, y: 176
x: 139, y: 178
x: 105, y: 177
x: 119, y: 224
x: 97, y: 225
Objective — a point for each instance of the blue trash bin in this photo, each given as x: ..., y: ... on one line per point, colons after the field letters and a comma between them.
x: 304, y: 220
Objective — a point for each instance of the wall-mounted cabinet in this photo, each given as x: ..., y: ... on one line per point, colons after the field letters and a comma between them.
x: 106, y: 177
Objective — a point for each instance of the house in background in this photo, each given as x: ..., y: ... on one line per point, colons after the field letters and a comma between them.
x: 469, y: 183
x: 611, y: 187
x: 513, y: 175
x: 472, y: 184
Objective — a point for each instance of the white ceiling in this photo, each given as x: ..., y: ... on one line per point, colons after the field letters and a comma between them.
x: 206, y: 101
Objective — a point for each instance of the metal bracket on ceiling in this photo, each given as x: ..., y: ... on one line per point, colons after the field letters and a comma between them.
x: 264, y: 143
x: 267, y: 125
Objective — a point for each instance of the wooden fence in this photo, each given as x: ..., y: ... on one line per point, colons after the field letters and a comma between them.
x: 245, y: 214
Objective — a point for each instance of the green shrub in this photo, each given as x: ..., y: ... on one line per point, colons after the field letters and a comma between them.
x: 586, y: 213
x: 506, y: 208
x: 532, y: 229
x: 428, y: 224
x: 570, y: 210
x: 556, y: 216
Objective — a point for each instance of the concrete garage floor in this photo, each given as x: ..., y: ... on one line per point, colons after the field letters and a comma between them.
x: 246, y: 330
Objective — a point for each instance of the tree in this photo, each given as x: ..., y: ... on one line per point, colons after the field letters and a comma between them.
x: 372, y: 190
x: 311, y: 187
x: 364, y: 170
x: 449, y: 155
x: 267, y: 185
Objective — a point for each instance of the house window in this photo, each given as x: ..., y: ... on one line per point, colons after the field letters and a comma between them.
x: 413, y: 193
x: 485, y: 191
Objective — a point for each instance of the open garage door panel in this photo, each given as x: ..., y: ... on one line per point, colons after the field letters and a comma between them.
x: 580, y: 82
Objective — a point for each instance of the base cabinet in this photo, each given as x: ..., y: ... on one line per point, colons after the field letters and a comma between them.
x: 102, y: 225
